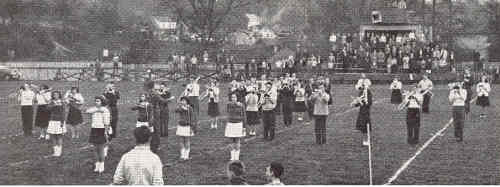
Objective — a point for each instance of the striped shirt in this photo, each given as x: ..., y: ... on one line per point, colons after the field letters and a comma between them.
x: 140, y: 166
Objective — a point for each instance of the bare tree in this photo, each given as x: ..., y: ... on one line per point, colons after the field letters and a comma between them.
x: 208, y: 19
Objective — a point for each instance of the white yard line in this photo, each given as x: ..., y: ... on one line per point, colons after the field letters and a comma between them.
x: 427, y: 143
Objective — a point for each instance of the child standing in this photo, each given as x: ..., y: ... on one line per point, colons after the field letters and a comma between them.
x: 235, y: 128
x: 42, y: 112
x: 483, y: 90
x: 213, y: 104
x: 74, y: 100
x: 252, y: 110
x: 101, y: 119
x: 57, y: 125
x: 186, y: 127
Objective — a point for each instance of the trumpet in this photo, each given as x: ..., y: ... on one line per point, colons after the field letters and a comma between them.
x: 362, y: 100
x: 408, y: 95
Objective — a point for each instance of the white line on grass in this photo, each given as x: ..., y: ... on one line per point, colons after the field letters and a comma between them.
x: 427, y: 143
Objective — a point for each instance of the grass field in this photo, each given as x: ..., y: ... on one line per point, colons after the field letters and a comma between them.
x: 341, y: 161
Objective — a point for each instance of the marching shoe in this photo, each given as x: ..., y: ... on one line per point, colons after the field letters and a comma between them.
x: 96, y: 167
x: 366, y: 143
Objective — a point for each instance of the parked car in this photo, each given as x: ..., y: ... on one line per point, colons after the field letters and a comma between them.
x: 7, y: 73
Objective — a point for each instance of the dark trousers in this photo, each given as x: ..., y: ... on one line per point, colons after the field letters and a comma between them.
x: 413, y: 125
x: 27, y: 118
x: 425, y: 104
x: 467, y: 100
x: 155, y: 139
x: 114, y: 122
x: 458, y: 121
x: 268, y: 120
x: 164, y: 117
x: 320, y: 128
x: 287, y: 115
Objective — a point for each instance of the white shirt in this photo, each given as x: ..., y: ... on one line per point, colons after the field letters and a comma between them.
x: 458, y: 99
x: 483, y: 89
x: 76, y: 96
x: 364, y: 81
x: 100, y: 119
x: 194, y: 60
x: 252, y: 101
x: 412, y: 103
x: 396, y: 85
x: 26, y: 97
x: 300, y: 94
x: 272, y: 104
x: 43, y: 98
x: 425, y: 84
x: 214, y: 94
x: 195, y: 89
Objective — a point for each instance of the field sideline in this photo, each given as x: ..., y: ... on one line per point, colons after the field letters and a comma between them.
x: 341, y: 161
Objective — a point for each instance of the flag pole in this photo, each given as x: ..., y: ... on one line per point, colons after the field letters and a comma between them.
x: 370, y: 154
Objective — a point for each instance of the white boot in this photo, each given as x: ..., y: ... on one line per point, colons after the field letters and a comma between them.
x: 237, y: 155
x: 182, y: 153
x: 47, y: 137
x: 105, y: 151
x: 96, y: 167
x: 232, y: 155
x: 54, y: 148
x: 101, y: 168
x: 187, y: 154
x: 59, y: 151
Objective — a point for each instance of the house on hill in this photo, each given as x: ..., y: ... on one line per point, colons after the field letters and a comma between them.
x: 384, y: 16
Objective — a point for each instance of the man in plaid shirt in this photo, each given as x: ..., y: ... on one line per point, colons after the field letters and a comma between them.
x: 140, y: 166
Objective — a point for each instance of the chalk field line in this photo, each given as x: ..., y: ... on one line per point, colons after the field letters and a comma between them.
x: 427, y: 143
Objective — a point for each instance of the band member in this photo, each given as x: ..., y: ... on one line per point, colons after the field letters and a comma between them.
x: 412, y: 101
x: 74, y: 100
x: 300, y: 100
x: 364, y: 102
x: 426, y: 88
x: 57, y: 125
x: 396, y: 96
x: 235, y: 126
x: 27, y: 98
x: 112, y: 96
x: 159, y: 122
x: 287, y: 102
x: 310, y: 87
x: 186, y: 126
x: 268, y: 103
x: 42, y: 112
x: 212, y: 94
x: 320, y: 99
x: 100, y: 128
x: 457, y: 98
x: 363, y: 81
x: 144, y: 112
x: 252, y: 110
x: 483, y: 89
x: 468, y: 85
x: 192, y: 92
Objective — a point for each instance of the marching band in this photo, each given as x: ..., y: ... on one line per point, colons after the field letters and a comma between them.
x: 251, y: 102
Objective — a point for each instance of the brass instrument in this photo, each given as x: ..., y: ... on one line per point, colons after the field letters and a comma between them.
x: 363, y: 99
x: 406, y: 100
